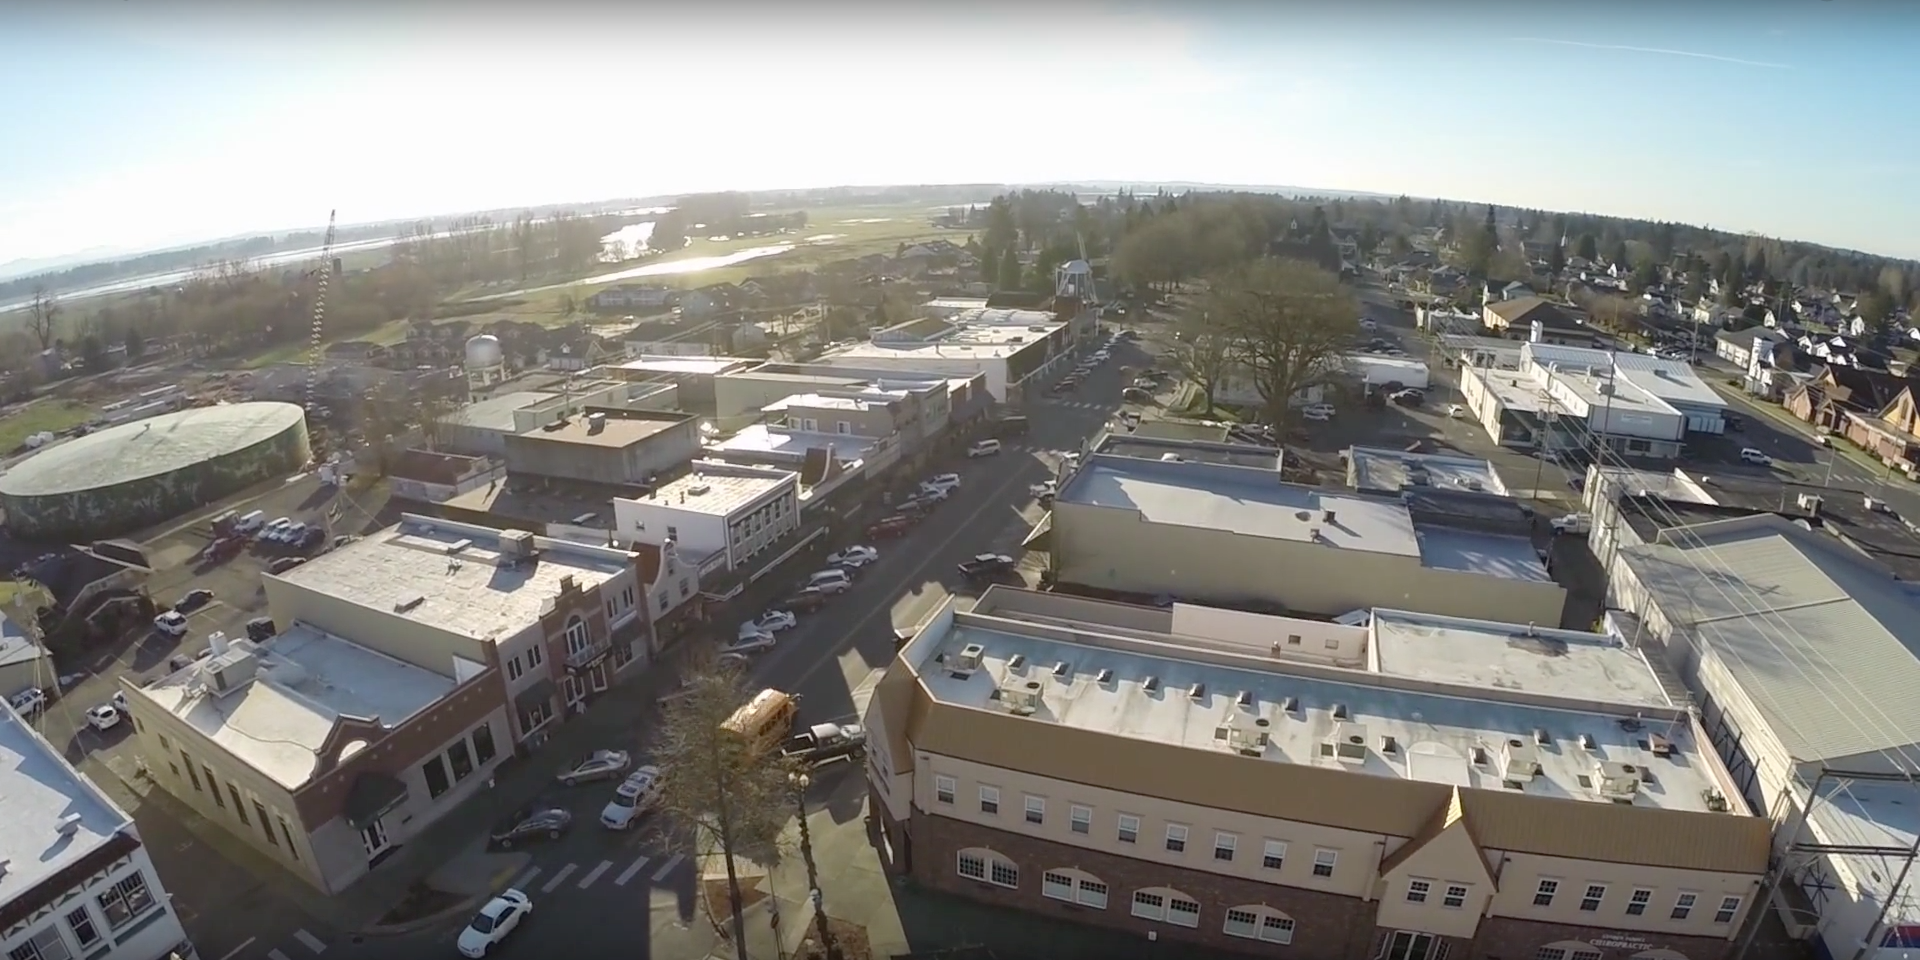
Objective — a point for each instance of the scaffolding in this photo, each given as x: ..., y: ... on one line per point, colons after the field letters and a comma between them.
x: 1797, y: 852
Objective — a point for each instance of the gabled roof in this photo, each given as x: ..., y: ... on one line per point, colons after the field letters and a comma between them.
x: 1525, y: 310
x: 1859, y: 388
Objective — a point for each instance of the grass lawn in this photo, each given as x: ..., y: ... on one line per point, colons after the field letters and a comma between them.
x: 21, y: 422
x: 392, y: 332
x: 832, y: 233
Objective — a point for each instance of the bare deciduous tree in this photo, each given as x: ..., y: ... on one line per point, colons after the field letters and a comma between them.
x: 43, y: 318
x: 1202, y: 353
x: 1288, y: 323
x: 716, y: 786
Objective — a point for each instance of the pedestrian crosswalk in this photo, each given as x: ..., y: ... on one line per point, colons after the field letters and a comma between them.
x: 308, y: 945
x: 654, y: 867
x: 1077, y: 404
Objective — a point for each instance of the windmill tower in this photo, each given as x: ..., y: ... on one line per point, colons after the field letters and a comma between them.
x: 1074, y: 299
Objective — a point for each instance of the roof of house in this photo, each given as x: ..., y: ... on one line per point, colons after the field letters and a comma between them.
x: 1820, y: 638
x: 1525, y: 310
x: 1745, y: 336
x: 453, y: 576
x: 1861, y: 389
x: 306, y: 681
x: 41, y: 789
x: 1162, y: 724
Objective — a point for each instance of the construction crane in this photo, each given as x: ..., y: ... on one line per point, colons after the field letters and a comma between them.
x: 316, y: 349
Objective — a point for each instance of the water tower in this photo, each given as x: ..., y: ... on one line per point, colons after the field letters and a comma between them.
x: 486, y: 364
x: 1073, y: 297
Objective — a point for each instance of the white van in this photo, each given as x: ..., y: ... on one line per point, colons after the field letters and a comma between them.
x: 983, y: 448
x: 250, y: 522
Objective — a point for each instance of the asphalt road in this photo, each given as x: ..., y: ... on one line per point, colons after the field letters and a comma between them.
x: 587, y: 887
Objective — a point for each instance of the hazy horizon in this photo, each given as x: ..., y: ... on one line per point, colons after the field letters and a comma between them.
x: 169, y: 122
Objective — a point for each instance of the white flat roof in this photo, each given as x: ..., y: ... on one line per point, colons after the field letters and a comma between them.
x: 760, y: 438
x: 824, y: 402
x: 1487, y: 554
x: 1377, y: 468
x: 710, y: 366
x: 1664, y: 380
x: 719, y: 491
x: 1008, y: 317
x: 1627, y: 398
x: 496, y: 413
x: 306, y: 680
x: 1246, y: 500
x: 1488, y: 655
x: 1438, y: 732
x: 1516, y: 391
x: 37, y: 789
x: 408, y: 571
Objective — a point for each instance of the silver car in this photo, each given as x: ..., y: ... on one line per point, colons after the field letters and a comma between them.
x: 601, y: 765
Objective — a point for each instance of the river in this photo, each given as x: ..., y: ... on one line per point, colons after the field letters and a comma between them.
x: 661, y: 269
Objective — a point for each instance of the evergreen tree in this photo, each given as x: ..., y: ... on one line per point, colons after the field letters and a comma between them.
x: 1586, y: 248
x: 1009, y: 274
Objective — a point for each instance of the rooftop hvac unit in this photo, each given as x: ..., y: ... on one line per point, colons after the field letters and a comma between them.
x: 968, y: 661
x: 1244, y: 734
x: 69, y: 825
x: 1021, y: 698
x: 1350, y: 742
x: 515, y: 544
x: 458, y: 546
x: 699, y: 490
x: 1616, y: 781
x: 1520, y: 760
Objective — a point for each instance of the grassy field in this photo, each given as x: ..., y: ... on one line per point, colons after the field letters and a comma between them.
x: 21, y: 422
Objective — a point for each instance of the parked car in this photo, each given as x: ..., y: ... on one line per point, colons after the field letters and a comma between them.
x: 171, y: 623
x: 835, y: 580
x: 599, y: 765
x: 501, y: 916
x: 947, y: 482
x: 986, y: 565
x: 632, y: 799
x: 193, y: 600
x: 750, y: 643
x: 1136, y: 395
x: 806, y: 600
x: 1409, y: 397
x: 983, y: 448
x: 855, y: 556
x: 1751, y: 455
x: 888, y: 527
x: 538, y: 822
x: 103, y: 717
x: 1573, y: 523
x: 29, y: 702
x: 826, y: 742
x: 772, y: 621
x: 261, y: 628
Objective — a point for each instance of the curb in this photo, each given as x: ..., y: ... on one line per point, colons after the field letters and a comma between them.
x: 438, y: 917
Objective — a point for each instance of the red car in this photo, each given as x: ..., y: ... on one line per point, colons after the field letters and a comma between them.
x: 894, y: 526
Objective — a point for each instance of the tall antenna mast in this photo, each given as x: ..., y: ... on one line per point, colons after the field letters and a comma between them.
x: 317, y: 347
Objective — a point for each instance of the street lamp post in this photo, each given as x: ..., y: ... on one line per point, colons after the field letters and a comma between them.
x: 800, y: 782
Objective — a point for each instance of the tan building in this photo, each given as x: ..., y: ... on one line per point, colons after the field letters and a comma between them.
x: 1421, y: 788
x: 410, y: 664
x: 605, y: 445
x: 1232, y: 533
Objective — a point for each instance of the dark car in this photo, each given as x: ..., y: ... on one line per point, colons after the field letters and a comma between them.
x: 284, y: 564
x: 540, y: 822
x: 1010, y: 427
x: 1409, y: 398
x: 805, y: 600
x: 894, y: 526
x: 986, y: 565
x: 194, y: 600
x: 261, y: 628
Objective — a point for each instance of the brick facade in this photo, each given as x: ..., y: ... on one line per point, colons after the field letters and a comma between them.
x: 593, y: 679
x: 1509, y: 938
x: 392, y: 752
x: 1326, y: 926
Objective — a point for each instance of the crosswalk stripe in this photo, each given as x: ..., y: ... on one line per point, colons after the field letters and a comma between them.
x: 627, y: 874
x: 661, y: 874
x: 520, y: 882
x: 310, y: 941
x: 275, y: 954
x: 558, y: 879
x: 594, y: 874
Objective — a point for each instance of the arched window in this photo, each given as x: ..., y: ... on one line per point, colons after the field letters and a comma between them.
x: 1167, y: 906
x: 1567, y: 950
x: 1068, y: 885
x: 577, y: 636
x: 1254, y: 921
x: 986, y: 866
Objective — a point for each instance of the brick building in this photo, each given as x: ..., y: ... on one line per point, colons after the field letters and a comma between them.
x: 1413, y: 788
x: 408, y: 665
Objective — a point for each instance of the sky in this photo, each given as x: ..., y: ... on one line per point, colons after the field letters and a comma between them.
x: 135, y: 124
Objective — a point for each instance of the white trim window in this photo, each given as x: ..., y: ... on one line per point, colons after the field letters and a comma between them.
x: 1127, y: 830
x: 1456, y: 896
x: 1257, y: 922
x: 1167, y: 906
x: 1176, y: 838
x: 1274, y: 856
x: 1223, y: 846
x: 1323, y: 862
x: 1637, y: 902
x: 1417, y: 890
x: 1591, y: 900
x: 986, y: 866
x: 1080, y: 819
x: 1036, y: 810
x: 1683, y: 906
x: 1729, y: 908
x: 1075, y: 887
x: 1148, y: 905
x: 990, y: 801
x: 943, y: 788
x: 1543, y: 895
x: 579, y: 636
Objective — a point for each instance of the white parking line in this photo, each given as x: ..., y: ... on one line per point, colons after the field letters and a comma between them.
x: 231, y: 953
x: 558, y: 879
x: 627, y: 874
x: 310, y: 941
x: 275, y: 954
x: 661, y: 874
x: 520, y: 882
x: 594, y: 874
